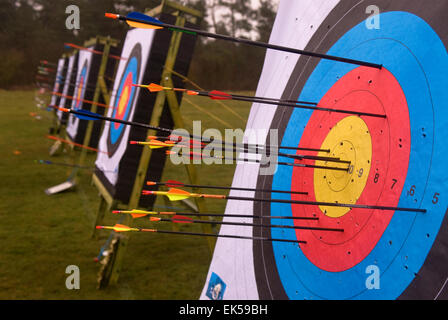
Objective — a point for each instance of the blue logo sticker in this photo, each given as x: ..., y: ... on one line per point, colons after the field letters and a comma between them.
x: 216, y: 287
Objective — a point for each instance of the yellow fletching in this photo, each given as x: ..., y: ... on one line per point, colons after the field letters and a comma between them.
x: 176, y: 197
x: 141, y: 25
x: 122, y: 228
x: 177, y: 194
x: 156, y: 144
x: 140, y: 211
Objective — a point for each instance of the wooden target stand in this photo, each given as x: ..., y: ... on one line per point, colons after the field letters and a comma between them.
x: 117, y: 243
x: 101, y: 91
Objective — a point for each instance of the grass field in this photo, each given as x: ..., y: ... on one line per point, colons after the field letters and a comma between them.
x: 41, y: 235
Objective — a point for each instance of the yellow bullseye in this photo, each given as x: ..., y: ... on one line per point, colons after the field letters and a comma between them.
x: 123, y: 100
x: 348, y: 140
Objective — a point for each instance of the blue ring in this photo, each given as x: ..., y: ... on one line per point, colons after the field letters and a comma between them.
x: 417, y: 68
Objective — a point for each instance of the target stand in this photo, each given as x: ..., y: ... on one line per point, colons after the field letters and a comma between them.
x: 120, y: 176
x: 86, y: 133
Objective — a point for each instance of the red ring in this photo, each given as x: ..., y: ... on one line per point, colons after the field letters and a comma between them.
x: 366, y: 90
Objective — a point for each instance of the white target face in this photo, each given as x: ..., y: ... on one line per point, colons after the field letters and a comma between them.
x: 388, y: 207
x: 58, y: 81
x: 114, y: 138
x: 82, y: 80
x: 68, y: 85
x: 277, y: 69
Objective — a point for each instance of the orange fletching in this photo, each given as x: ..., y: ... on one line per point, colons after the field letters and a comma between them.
x: 178, y: 191
x: 138, y: 215
x: 153, y: 87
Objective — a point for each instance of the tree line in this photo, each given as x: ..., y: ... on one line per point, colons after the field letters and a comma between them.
x: 34, y: 30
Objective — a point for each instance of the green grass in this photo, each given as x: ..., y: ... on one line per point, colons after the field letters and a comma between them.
x: 41, y: 235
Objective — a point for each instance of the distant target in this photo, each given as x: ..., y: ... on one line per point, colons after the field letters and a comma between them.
x: 124, y: 99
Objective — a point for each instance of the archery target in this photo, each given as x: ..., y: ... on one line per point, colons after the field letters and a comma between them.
x: 115, y: 136
x: 85, y: 86
x: 82, y: 80
x: 69, y: 87
x: 59, y: 80
x: 396, y: 161
x: 146, y: 52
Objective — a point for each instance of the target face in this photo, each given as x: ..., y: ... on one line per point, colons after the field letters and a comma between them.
x: 68, y: 87
x: 123, y: 104
x: 80, y: 88
x: 79, y: 94
x: 60, y: 74
x: 396, y: 161
x: 124, y: 98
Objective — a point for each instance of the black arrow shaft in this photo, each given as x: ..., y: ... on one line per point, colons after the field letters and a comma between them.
x: 256, y: 43
x: 227, y: 236
x: 239, y: 216
x: 301, y: 106
x: 327, y: 204
x: 228, y: 188
x: 243, y: 224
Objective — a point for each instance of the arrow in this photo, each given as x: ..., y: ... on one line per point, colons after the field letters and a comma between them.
x: 196, y: 143
x: 74, y: 46
x: 182, y: 219
x: 88, y: 115
x: 48, y: 162
x: 75, y: 144
x: 218, y: 95
x: 63, y: 164
x: 154, y: 144
x: 93, y: 103
x: 175, y: 194
x: 176, y: 184
x: 123, y: 228
x: 140, y: 20
x: 196, y: 155
x: 142, y: 213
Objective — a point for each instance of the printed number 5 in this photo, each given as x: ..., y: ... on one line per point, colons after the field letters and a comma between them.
x: 435, y: 199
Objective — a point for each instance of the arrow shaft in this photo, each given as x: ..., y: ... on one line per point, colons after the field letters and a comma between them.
x: 253, y: 146
x: 227, y: 236
x: 93, y: 103
x: 75, y: 144
x: 93, y: 51
x: 281, y: 154
x: 227, y: 188
x: 243, y: 224
x: 256, y: 43
x: 297, y: 105
x: 239, y: 216
x: 328, y: 204
x: 302, y: 202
